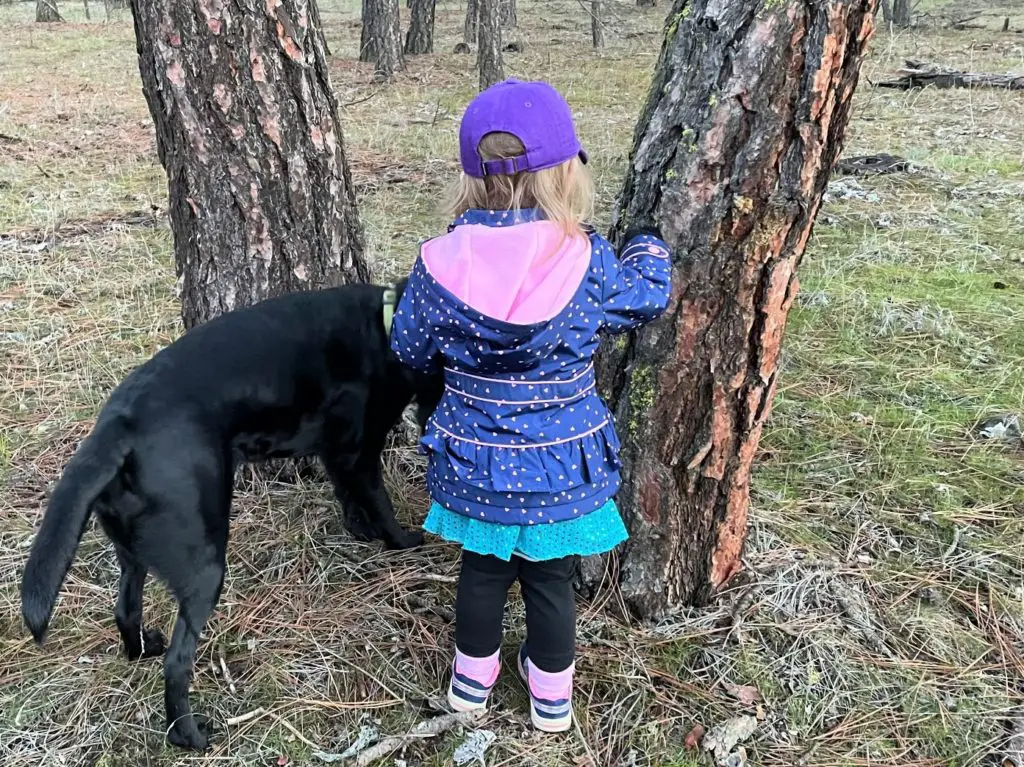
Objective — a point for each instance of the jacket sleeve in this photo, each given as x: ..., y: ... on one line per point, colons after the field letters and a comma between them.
x: 637, y: 282
x: 410, y: 331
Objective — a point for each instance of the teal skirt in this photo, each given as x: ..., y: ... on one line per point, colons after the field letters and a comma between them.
x: 594, y: 533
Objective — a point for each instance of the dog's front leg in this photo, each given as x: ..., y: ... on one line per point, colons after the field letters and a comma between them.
x: 365, y: 484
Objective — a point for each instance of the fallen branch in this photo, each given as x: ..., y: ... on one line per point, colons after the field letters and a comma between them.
x: 873, y: 165
x: 917, y: 74
x: 429, y: 728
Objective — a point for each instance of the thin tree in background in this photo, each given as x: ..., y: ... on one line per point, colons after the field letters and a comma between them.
x: 46, y: 11
x: 647, y: 3
x: 420, y: 37
x: 472, y: 23
x: 509, y: 15
x: 382, y: 37
x: 902, y: 16
x: 88, y: 16
x: 247, y: 129
x: 597, y: 23
x: 488, y: 57
x: 744, y: 120
x: 367, y: 41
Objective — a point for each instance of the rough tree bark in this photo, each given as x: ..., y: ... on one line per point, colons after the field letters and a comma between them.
x: 488, y: 56
x: 509, y: 14
x: 901, y: 13
x: 420, y: 37
x: 744, y: 120
x: 597, y: 23
x: 247, y: 129
x: 469, y: 29
x: 314, y: 15
x: 46, y: 11
x: 382, y: 25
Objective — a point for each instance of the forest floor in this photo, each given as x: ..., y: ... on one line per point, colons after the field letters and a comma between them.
x: 883, y: 619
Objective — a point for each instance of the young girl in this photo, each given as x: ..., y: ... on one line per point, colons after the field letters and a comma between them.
x: 523, y: 461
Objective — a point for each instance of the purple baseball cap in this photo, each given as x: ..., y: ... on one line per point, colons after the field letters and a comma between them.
x: 533, y: 112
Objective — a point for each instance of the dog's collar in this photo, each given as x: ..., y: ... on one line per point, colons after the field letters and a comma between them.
x: 390, y: 298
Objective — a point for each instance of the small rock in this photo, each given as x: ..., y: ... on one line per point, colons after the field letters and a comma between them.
x: 515, y: 47
x: 474, y: 747
x: 462, y: 48
x: 725, y: 737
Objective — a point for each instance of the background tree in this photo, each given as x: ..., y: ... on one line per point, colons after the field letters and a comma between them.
x: 420, y: 37
x: 382, y: 37
x: 46, y: 10
x: 647, y: 3
x: 367, y: 42
x: 488, y: 56
x: 247, y: 129
x: 597, y: 23
x: 469, y: 29
x: 744, y: 120
x: 901, y: 13
x: 509, y: 15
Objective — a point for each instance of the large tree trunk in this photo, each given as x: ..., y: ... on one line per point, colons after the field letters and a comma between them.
x: 469, y: 29
x: 420, y: 38
x: 46, y: 11
x: 597, y: 23
x: 488, y: 55
x: 901, y: 13
x: 743, y: 123
x: 509, y: 15
x: 381, y: 22
x: 247, y: 128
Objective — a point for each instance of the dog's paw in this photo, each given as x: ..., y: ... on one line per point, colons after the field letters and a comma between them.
x: 154, y: 643
x: 191, y: 733
x: 409, y: 539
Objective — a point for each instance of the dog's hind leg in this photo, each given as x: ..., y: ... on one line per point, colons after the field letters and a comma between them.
x: 196, y: 599
x: 139, y: 642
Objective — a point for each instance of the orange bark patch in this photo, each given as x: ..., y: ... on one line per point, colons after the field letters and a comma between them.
x: 649, y: 496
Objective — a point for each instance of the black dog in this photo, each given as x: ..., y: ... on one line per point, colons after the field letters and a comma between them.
x: 302, y: 374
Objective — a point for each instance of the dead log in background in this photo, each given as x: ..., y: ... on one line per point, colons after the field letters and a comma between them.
x: 873, y: 165
x: 917, y: 74
x: 733, y: 151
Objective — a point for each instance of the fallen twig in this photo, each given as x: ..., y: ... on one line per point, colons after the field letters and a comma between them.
x: 429, y: 728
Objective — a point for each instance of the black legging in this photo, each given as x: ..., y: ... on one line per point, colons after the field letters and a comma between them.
x: 550, y: 607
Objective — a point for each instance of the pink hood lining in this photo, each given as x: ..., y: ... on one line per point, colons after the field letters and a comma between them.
x: 522, y: 274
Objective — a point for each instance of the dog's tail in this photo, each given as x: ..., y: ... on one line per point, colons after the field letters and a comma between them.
x: 98, y: 460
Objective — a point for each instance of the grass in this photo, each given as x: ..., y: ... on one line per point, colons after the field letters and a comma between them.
x: 882, y: 615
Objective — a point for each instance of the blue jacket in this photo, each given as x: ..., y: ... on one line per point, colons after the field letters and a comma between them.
x: 514, y: 308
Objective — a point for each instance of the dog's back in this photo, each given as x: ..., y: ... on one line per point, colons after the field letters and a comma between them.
x: 248, y: 385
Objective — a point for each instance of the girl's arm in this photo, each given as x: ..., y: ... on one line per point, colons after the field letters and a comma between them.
x: 410, y: 339
x: 638, y: 282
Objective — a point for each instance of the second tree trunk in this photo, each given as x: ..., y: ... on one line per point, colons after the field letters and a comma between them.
x: 743, y: 123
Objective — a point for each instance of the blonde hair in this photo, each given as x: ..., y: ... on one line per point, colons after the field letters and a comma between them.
x: 564, y: 193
